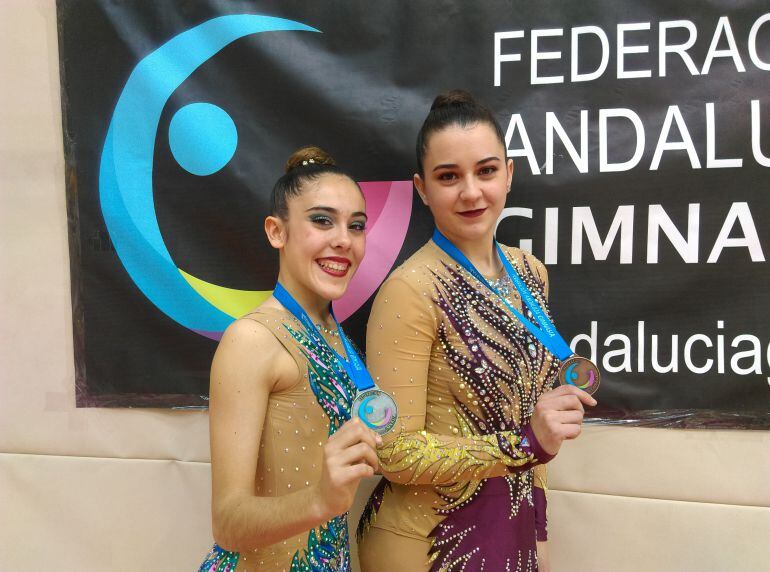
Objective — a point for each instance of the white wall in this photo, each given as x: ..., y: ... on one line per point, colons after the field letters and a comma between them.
x: 98, y: 489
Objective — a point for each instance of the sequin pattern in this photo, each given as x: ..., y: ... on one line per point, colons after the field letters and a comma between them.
x: 297, y: 424
x: 370, y: 510
x: 327, y: 548
x: 330, y: 383
x: 485, y: 373
x: 219, y: 560
x: 456, y: 469
x: 498, y: 365
x: 497, y: 374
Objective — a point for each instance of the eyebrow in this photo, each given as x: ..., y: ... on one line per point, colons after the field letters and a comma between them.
x: 454, y: 166
x: 332, y: 210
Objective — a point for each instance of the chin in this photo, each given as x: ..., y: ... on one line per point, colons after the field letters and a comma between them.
x: 475, y: 230
x: 335, y: 293
x: 332, y: 290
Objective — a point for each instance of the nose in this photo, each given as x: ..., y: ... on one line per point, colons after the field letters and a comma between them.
x: 471, y: 190
x: 342, y: 238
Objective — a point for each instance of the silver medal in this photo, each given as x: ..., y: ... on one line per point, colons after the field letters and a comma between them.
x: 376, y: 409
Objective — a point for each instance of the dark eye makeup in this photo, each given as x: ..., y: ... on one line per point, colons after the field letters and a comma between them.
x: 324, y: 220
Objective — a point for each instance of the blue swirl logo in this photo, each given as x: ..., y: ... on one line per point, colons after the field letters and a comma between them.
x: 203, y: 138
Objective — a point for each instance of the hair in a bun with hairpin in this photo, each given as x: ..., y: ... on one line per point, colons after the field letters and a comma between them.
x: 454, y: 107
x: 305, y: 165
x: 309, y: 155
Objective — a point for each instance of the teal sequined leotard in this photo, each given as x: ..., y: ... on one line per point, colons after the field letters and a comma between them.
x: 298, y: 422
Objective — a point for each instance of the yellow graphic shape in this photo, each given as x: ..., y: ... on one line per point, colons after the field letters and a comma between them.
x: 232, y: 302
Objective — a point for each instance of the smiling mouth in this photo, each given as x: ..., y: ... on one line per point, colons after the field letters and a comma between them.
x: 472, y: 214
x: 334, y: 267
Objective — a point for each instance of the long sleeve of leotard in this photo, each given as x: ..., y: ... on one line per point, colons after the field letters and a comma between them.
x: 539, y: 491
x: 401, y: 334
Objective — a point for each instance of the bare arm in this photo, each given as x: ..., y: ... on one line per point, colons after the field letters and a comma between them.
x: 249, y: 364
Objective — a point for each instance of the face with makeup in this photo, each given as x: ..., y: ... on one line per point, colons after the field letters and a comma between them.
x: 321, y: 240
x: 465, y: 180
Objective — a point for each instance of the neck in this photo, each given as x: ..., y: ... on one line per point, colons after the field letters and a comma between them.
x: 315, y: 306
x: 480, y: 251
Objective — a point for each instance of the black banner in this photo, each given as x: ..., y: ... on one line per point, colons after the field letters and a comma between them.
x: 640, y: 134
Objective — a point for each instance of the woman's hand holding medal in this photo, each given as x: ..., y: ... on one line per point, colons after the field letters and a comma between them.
x: 349, y: 456
x: 558, y: 416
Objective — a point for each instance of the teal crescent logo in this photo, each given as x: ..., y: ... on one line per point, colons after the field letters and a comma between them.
x: 203, y: 138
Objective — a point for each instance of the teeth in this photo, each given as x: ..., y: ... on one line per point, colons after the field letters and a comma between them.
x: 335, y: 266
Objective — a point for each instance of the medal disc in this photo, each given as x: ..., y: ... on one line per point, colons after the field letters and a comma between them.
x: 580, y: 372
x: 376, y: 409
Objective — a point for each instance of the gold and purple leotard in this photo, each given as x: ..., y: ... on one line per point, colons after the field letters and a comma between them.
x: 297, y: 423
x: 465, y: 480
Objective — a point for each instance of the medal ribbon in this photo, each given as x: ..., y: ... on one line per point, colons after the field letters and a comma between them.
x: 353, y: 366
x: 545, y: 331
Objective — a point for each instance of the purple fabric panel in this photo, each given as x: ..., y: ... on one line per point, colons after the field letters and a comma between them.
x: 534, y: 446
x: 541, y: 517
x: 484, y: 531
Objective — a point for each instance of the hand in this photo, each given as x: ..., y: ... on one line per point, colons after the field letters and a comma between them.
x: 559, y: 415
x: 349, y: 456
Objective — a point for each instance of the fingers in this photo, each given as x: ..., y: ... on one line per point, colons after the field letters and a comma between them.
x: 586, y: 398
x: 360, y: 471
x: 566, y: 403
x: 569, y: 417
x: 361, y: 452
x: 352, y: 432
x: 353, y: 444
x: 369, y: 437
x: 559, y: 403
x: 345, y: 476
x: 571, y: 431
x: 559, y: 416
x: 570, y: 390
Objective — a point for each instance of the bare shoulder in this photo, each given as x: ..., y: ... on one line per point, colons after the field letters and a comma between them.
x: 250, y: 353
x: 245, y: 335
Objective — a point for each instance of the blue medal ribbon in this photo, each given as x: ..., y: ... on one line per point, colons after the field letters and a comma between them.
x: 544, y: 331
x: 353, y: 366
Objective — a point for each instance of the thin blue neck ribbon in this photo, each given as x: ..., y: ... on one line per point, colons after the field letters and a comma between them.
x: 544, y: 331
x: 354, y: 366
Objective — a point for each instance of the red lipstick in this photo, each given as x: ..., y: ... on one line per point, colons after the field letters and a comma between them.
x: 472, y: 214
x: 336, y: 266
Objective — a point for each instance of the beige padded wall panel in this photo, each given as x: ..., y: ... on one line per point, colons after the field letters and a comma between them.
x: 109, y: 514
x: 96, y: 514
x: 87, y: 514
x: 726, y: 467
x: 600, y: 533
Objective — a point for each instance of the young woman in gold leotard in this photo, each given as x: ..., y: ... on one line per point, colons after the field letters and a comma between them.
x: 286, y: 459
x: 465, y: 479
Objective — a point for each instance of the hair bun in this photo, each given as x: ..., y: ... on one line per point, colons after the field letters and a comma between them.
x: 308, y: 155
x: 453, y: 97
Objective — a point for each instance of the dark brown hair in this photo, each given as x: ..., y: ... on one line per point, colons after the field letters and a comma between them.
x: 455, y: 107
x: 306, y: 164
